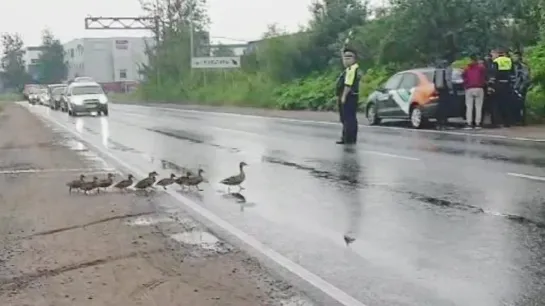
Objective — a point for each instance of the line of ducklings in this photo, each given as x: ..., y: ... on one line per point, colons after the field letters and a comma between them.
x: 187, y: 181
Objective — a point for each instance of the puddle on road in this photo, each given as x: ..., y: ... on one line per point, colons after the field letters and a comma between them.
x: 201, y: 239
x: 83, y: 151
x: 147, y: 221
x: 296, y: 301
x: 193, y: 138
x: 114, y: 145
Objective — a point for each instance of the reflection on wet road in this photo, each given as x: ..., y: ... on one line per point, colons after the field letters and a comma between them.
x: 404, y: 218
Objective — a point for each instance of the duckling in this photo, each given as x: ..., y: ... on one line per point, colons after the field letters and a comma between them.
x: 235, y: 180
x: 195, y: 180
x: 88, y: 186
x: 76, y: 184
x: 182, y: 180
x: 105, y: 183
x: 125, y: 183
x: 147, y: 182
x: 348, y: 239
x: 167, y: 181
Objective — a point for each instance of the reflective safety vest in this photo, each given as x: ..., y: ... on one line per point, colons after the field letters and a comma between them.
x: 504, y: 63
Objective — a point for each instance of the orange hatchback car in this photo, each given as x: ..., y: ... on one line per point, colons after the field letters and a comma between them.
x: 412, y: 95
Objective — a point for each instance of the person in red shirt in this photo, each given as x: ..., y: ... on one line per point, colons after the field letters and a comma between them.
x: 474, y: 83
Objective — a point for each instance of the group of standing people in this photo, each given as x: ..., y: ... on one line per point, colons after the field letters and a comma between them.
x: 497, y: 85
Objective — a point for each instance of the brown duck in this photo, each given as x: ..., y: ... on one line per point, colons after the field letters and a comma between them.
x: 124, y: 184
x: 147, y: 182
x: 195, y: 180
x: 76, y: 184
x: 236, y: 180
x: 105, y: 183
x: 88, y: 186
x: 167, y: 181
x: 182, y: 180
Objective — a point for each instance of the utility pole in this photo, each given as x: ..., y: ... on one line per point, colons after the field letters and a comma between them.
x: 128, y: 23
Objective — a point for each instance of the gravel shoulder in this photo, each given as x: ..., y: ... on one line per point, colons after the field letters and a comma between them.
x: 532, y: 132
x: 61, y: 249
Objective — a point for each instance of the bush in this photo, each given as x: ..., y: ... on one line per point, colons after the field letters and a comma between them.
x: 535, y: 57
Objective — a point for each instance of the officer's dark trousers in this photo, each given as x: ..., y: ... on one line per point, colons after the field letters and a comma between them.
x: 519, y: 108
x: 348, y: 114
x: 442, y: 108
x: 504, y: 103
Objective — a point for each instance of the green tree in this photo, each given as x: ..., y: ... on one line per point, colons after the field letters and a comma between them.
x: 51, y: 64
x: 13, y: 66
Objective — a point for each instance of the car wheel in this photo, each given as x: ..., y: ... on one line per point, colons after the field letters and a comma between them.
x: 372, y: 115
x: 105, y: 113
x: 417, y: 117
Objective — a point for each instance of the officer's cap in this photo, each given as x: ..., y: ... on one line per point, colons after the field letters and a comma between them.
x: 350, y: 50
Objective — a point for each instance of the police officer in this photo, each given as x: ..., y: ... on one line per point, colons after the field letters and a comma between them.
x: 443, y: 82
x: 502, y: 79
x: 348, y: 93
x: 521, y: 85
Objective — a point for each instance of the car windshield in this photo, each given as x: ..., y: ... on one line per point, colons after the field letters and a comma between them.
x: 87, y: 90
x: 58, y: 90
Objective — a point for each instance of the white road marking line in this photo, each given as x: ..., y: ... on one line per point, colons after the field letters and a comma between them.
x: 83, y: 170
x: 525, y: 176
x: 384, y: 154
x: 482, y: 135
x: 311, y: 278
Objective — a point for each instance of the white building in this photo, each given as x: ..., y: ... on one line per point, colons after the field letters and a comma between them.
x: 107, y: 60
x: 30, y: 59
x: 236, y: 49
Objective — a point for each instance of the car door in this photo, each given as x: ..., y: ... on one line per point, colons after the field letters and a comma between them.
x: 385, y: 103
x: 403, y: 94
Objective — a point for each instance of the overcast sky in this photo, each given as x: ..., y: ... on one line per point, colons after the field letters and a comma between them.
x: 239, y: 19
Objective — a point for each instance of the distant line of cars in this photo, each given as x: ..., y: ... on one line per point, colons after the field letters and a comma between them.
x: 79, y: 96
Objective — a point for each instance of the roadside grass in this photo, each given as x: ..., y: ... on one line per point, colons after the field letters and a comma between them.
x: 132, y: 97
x: 10, y: 97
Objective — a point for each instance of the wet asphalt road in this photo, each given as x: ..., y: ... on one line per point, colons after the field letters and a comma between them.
x: 438, y: 219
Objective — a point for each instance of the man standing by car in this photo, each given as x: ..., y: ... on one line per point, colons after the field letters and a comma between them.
x: 503, y: 74
x: 474, y: 76
x: 520, y: 86
x: 349, y: 96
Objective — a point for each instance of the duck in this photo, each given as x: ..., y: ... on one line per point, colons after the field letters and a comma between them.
x: 88, y: 186
x: 76, y: 184
x: 167, y: 181
x: 125, y: 183
x: 195, y: 180
x: 147, y: 182
x: 182, y: 180
x: 105, y: 183
x: 236, y: 180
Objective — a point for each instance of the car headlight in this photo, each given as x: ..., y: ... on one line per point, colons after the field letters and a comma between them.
x: 77, y: 101
x: 103, y: 100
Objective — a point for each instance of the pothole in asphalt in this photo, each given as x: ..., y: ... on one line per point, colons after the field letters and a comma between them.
x: 201, y: 239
